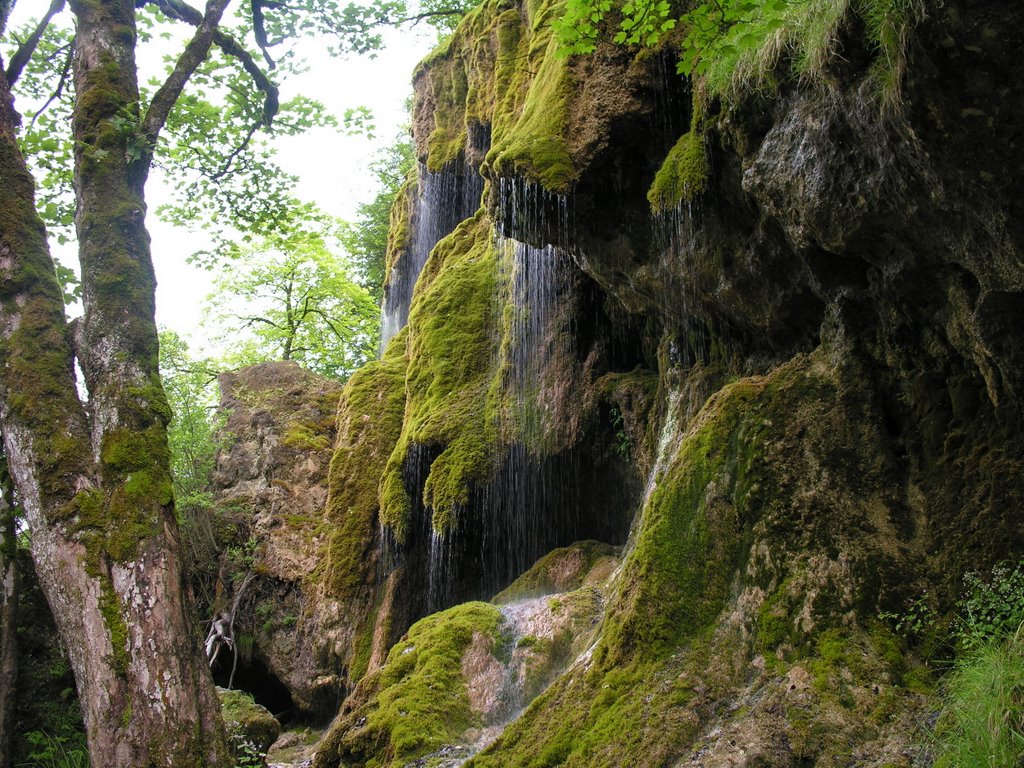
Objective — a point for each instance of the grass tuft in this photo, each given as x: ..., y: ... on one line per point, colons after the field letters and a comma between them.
x: 982, y: 720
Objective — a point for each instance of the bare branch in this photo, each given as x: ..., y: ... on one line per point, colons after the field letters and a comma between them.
x: 24, y: 53
x: 251, y: 319
x: 331, y: 322
x: 417, y: 18
x: 260, y: 31
x: 226, y: 165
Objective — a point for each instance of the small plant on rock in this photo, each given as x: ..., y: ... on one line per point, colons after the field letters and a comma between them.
x: 993, y: 608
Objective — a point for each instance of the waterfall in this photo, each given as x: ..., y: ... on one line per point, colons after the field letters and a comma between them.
x: 669, y: 439
x: 685, y: 275
x: 544, y: 489
x: 532, y: 501
x: 533, y: 495
x: 443, y: 199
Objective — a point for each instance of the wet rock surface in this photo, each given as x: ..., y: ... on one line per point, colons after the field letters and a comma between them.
x: 812, y: 361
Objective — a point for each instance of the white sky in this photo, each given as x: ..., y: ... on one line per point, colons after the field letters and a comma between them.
x: 333, y: 168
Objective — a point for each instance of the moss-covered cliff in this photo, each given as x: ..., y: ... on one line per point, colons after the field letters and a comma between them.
x: 793, y: 311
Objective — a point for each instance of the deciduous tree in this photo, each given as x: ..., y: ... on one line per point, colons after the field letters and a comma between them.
x: 93, y: 473
x: 93, y: 476
x: 292, y: 299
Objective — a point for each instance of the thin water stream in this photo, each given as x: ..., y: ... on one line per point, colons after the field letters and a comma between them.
x: 443, y: 200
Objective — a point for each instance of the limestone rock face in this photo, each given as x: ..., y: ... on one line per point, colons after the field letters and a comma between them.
x: 804, y: 378
x: 270, y: 483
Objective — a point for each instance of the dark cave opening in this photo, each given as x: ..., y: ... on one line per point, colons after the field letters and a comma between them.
x: 253, y: 677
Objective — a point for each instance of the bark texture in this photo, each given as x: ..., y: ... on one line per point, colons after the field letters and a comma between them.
x: 94, y: 480
x: 8, y: 616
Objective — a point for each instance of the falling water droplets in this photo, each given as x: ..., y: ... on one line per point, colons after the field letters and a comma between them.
x: 443, y: 200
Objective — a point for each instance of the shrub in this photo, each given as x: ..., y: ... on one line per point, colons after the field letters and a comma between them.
x: 55, y: 751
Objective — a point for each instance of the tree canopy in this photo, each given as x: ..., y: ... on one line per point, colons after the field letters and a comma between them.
x: 289, y: 297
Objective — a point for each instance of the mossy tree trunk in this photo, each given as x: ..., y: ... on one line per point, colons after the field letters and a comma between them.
x: 94, y: 479
x: 8, y: 614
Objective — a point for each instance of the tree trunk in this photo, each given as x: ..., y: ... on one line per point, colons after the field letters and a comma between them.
x: 94, y: 480
x: 8, y: 616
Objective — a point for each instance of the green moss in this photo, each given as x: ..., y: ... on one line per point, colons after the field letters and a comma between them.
x: 775, y: 624
x: 305, y: 436
x: 550, y: 656
x: 627, y: 716
x: 400, y: 222
x: 370, y: 416
x: 677, y: 576
x: 247, y: 722
x: 417, y: 701
x: 463, y: 465
x: 362, y: 647
x: 35, y: 353
x: 110, y: 609
x: 497, y: 70
x: 773, y: 628
x: 535, y: 146
x: 137, y: 488
x: 450, y: 350
x: 561, y: 570
x: 682, y: 176
x: 395, y: 504
x: 449, y: 87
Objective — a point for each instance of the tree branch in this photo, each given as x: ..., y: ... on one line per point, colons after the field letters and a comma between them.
x: 193, y: 55
x: 259, y: 30
x: 249, y: 320
x: 226, y: 165
x: 60, y: 84
x: 330, y: 322
x: 177, y: 9
x: 24, y: 53
x: 418, y: 17
x: 231, y: 47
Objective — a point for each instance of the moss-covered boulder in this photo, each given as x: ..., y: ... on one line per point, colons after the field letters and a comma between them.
x: 457, y: 676
x: 565, y: 569
x: 418, y: 700
x: 251, y: 727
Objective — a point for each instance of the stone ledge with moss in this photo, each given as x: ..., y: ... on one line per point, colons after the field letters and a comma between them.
x: 251, y: 727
